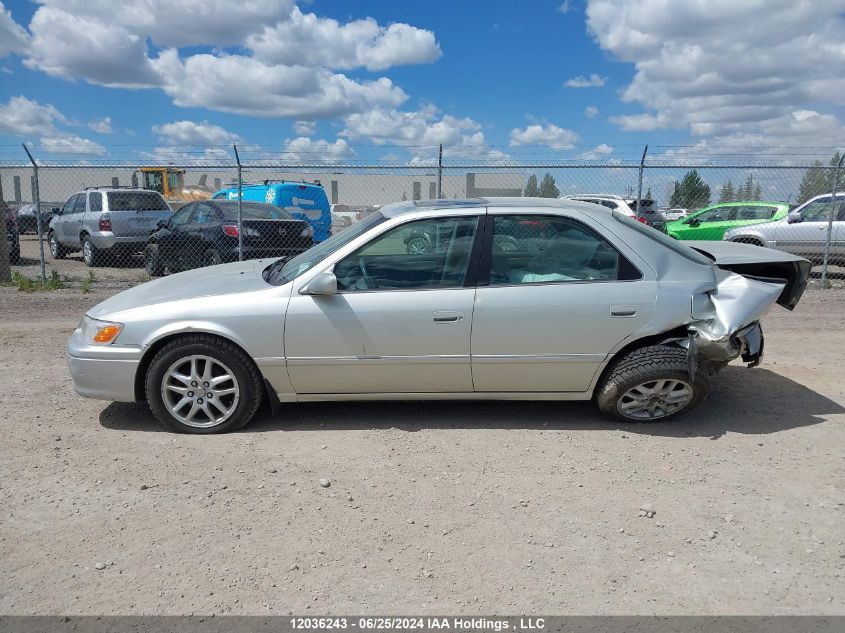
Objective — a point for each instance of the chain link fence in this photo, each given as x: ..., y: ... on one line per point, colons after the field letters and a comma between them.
x: 127, y: 223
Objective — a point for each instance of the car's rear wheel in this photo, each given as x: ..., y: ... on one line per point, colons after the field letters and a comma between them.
x: 212, y: 257
x: 92, y: 255
x: 652, y: 384
x: 203, y: 384
x: 152, y: 261
x: 57, y: 251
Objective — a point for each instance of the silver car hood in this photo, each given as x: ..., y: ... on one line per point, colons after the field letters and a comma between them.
x: 225, y: 279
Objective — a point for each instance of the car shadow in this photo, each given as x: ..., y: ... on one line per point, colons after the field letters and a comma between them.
x: 757, y: 402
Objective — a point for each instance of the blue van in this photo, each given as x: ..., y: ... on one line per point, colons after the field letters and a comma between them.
x: 303, y: 200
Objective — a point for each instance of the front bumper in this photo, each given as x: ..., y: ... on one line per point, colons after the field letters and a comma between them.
x: 104, y: 372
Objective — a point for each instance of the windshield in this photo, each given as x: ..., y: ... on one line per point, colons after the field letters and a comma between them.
x: 136, y: 201
x: 679, y: 247
x: 278, y: 274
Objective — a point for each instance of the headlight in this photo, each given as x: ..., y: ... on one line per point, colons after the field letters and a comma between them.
x: 307, y: 231
x: 96, y: 332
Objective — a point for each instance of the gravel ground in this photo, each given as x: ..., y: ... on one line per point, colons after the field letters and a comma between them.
x: 463, y: 508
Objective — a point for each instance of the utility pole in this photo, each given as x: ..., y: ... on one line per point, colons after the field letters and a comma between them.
x: 440, y: 172
x: 640, y: 183
x: 240, y: 206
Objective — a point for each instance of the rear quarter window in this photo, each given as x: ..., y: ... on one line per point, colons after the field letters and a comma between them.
x: 136, y: 201
x: 672, y: 244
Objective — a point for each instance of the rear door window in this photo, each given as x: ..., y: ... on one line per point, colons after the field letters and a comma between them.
x: 136, y: 201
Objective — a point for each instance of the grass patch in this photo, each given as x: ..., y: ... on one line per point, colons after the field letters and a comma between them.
x: 26, y: 284
x: 88, y: 282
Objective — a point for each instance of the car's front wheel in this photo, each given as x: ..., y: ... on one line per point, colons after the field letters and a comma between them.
x: 203, y: 384
x: 652, y: 384
x: 152, y: 261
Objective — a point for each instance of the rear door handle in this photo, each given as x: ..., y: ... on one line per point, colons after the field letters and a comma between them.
x: 623, y: 311
x: 442, y: 316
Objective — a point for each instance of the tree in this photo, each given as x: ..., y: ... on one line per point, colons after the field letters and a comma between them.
x: 675, y: 198
x: 726, y: 194
x: 648, y: 194
x: 746, y: 190
x: 692, y: 192
x: 548, y: 188
x: 817, y: 180
x: 531, y: 190
x: 758, y: 192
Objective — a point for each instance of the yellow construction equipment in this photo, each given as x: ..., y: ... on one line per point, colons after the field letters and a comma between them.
x: 170, y: 183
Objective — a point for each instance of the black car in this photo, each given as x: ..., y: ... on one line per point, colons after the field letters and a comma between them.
x: 28, y: 219
x: 11, y: 233
x: 205, y: 233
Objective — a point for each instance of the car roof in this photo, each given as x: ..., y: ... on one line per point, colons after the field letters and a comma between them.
x: 117, y: 189
x: 417, y: 206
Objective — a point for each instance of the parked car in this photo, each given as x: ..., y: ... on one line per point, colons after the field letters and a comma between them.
x: 675, y: 213
x: 343, y: 216
x: 710, y: 223
x: 105, y: 222
x: 206, y: 234
x: 803, y: 231
x: 648, y: 214
x: 12, y: 239
x: 28, y: 219
x: 303, y: 200
x: 357, y: 317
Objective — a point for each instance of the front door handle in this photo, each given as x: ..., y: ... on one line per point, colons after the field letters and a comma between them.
x: 442, y: 316
x: 623, y: 311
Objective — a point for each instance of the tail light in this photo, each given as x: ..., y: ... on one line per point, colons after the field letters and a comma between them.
x: 642, y: 219
x: 231, y: 230
x: 105, y: 224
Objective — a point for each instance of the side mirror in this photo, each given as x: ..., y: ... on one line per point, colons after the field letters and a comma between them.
x: 692, y: 221
x: 794, y: 216
x: 56, y: 211
x: 161, y: 224
x: 324, y: 284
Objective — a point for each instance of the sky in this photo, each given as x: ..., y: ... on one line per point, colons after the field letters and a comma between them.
x: 388, y: 81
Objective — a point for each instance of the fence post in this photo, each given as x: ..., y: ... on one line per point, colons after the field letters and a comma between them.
x: 830, y: 220
x: 440, y: 173
x: 5, y: 264
x: 640, y: 182
x: 36, y: 194
x: 240, y: 206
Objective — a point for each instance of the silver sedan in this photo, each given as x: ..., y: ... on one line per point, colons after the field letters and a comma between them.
x: 512, y: 298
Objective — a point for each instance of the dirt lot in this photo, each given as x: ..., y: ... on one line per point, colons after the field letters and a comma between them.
x: 433, y: 508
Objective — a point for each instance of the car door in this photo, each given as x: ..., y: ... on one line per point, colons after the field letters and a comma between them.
x: 171, y: 239
x: 549, y: 312
x: 400, y: 321
x: 710, y: 224
x: 807, y: 237
x: 62, y: 220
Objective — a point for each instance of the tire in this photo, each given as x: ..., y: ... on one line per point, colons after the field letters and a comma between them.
x: 212, y: 257
x: 57, y: 251
x: 747, y: 240
x: 92, y: 256
x: 238, y: 408
x: 624, y: 393
x: 15, y: 256
x: 418, y: 246
x: 152, y: 263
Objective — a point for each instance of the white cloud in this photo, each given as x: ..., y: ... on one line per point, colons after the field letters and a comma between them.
x: 593, y: 81
x: 25, y: 117
x: 700, y: 67
x: 591, y: 112
x: 101, y: 126
x: 286, y: 73
x: 13, y: 37
x: 191, y: 133
x: 597, y: 153
x: 304, y: 128
x: 307, y: 40
x: 422, y: 131
x: 67, y: 144
x: 546, y: 134
x: 306, y: 150
x: 565, y: 6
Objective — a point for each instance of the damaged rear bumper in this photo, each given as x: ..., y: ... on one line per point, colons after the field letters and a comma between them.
x: 747, y: 342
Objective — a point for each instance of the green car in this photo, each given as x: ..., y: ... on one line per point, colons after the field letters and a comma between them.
x: 711, y: 222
